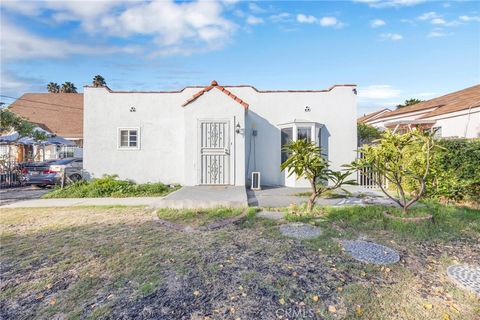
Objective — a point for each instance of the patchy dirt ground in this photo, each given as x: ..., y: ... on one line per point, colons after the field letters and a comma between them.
x: 116, y: 263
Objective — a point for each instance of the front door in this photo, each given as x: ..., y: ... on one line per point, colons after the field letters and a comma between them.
x: 214, y: 152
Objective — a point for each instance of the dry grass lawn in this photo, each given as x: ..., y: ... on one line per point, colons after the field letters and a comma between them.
x: 117, y: 263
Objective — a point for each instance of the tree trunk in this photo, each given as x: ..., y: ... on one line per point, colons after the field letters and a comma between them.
x: 313, y: 196
x: 311, y: 202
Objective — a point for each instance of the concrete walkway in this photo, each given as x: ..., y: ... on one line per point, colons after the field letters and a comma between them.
x: 204, y: 197
x: 277, y: 197
x: 201, y: 197
x: 75, y: 202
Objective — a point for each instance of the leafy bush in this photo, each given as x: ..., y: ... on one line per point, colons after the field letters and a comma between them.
x: 456, y: 171
x: 110, y: 186
x: 404, y: 160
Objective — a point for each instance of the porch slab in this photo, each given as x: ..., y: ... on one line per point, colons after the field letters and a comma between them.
x: 204, y: 197
x: 277, y: 197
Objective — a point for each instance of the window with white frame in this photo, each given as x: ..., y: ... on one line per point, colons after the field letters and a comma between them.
x: 128, y: 138
x: 293, y: 131
x: 287, y: 137
x: 304, y: 133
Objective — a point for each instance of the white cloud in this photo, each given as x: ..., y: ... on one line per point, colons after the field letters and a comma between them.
x: 17, y: 44
x: 391, y: 36
x: 197, y: 24
x: 437, y: 34
x: 377, y: 23
x: 390, y: 3
x: 328, y: 21
x: 428, y: 16
x: 171, y: 23
x: 469, y: 18
x: 87, y: 12
x: 324, y: 21
x: 252, y: 20
x: 281, y: 17
x: 306, y: 19
x: 438, y: 21
x: 255, y: 8
x: 378, y: 92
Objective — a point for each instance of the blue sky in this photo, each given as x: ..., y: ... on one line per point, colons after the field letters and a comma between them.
x: 392, y: 49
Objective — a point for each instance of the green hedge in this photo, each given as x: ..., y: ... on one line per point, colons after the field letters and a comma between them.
x: 456, y: 171
x: 110, y: 186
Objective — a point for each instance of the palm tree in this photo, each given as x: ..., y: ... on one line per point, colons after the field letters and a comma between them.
x: 68, y: 87
x: 53, y: 87
x: 99, y: 81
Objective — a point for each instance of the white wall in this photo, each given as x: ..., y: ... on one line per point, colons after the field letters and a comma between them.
x: 168, y: 132
x: 462, y: 124
x: 160, y: 120
x: 335, y: 109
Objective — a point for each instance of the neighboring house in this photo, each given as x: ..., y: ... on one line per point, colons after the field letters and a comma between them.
x: 369, y: 117
x: 455, y: 114
x: 58, y: 113
x: 213, y: 135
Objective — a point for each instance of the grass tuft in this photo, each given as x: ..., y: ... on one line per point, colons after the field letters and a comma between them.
x: 197, y: 217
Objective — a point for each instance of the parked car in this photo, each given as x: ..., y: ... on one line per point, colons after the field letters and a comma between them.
x: 43, y: 174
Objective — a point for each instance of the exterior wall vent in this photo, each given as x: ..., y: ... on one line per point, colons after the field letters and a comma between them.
x: 255, y: 181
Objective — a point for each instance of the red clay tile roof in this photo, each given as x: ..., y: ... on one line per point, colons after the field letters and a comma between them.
x: 372, y: 115
x: 455, y: 101
x: 59, y: 113
x: 214, y: 84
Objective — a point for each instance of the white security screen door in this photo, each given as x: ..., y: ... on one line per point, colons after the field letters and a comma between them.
x: 214, y: 152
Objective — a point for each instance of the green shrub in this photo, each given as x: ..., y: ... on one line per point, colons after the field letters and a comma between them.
x: 456, y: 171
x: 110, y: 186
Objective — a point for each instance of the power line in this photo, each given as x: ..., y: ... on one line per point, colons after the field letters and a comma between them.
x: 47, y: 103
x: 20, y: 104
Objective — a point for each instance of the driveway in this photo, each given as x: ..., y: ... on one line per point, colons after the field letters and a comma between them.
x: 12, y: 195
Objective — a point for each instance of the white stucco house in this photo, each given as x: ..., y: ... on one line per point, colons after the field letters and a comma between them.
x: 454, y: 115
x: 213, y: 135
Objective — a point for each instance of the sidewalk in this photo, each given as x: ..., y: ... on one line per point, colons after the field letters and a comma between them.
x: 200, y: 197
x: 75, y: 202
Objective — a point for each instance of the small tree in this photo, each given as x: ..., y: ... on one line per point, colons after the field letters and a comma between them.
x: 409, y: 102
x: 306, y: 161
x: 9, y: 122
x: 403, y: 160
x: 53, y: 87
x: 367, y: 133
x: 99, y: 81
x: 68, y: 87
